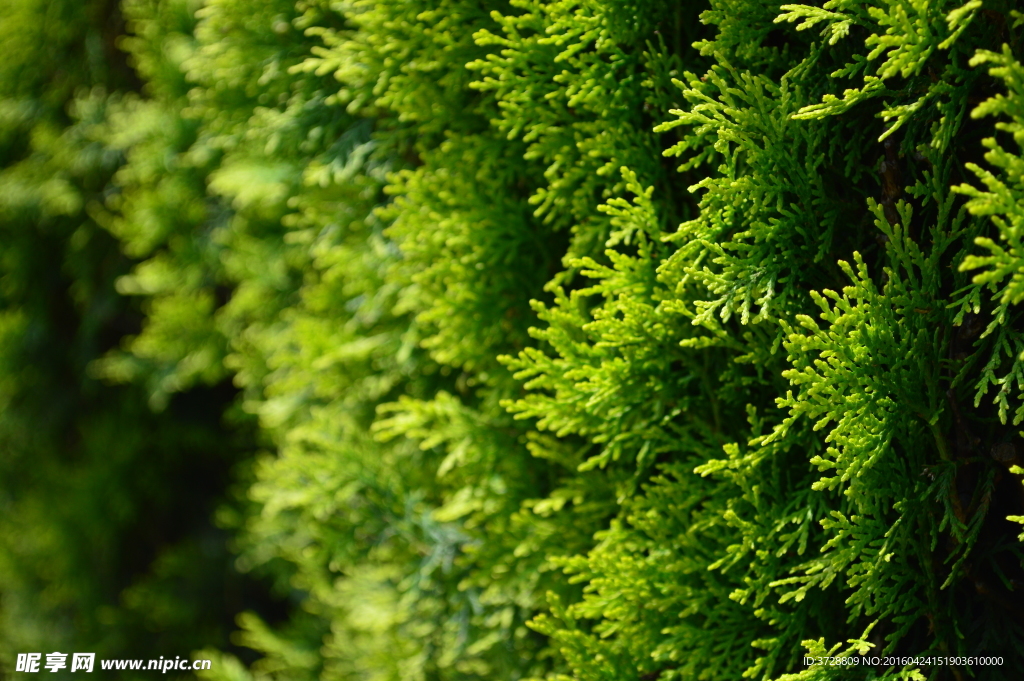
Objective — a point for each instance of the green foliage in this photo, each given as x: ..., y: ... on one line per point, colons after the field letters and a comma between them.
x: 106, y: 544
x: 586, y: 339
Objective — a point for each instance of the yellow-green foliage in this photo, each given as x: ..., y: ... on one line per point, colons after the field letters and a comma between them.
x: 593, y: 339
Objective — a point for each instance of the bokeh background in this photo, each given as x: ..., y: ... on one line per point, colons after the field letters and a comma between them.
x: 108, y: 542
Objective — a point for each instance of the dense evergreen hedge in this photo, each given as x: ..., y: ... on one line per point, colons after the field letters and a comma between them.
x: 586, y: 339
x: 107, y: 541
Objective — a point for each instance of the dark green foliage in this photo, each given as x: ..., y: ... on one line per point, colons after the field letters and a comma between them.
x: 587, y: 339
x: 107, y: 543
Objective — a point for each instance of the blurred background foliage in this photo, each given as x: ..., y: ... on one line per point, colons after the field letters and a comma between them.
x: 107, y: 542
x: 423, y: 340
